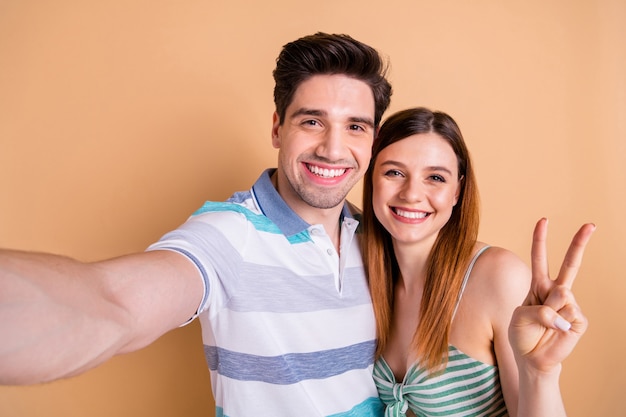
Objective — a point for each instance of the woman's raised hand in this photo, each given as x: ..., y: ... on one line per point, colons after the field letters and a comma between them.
x: 545, y: 329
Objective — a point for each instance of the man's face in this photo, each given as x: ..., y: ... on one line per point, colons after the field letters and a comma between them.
x: 325, y: 141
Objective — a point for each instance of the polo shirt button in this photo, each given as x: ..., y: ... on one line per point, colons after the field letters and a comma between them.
x: 329, y: 251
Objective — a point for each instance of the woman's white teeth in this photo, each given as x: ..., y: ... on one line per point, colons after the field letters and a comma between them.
x: 411, y: 214
x: 325, y: 172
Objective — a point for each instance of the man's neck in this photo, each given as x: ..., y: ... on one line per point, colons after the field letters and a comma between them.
x: 329, y: 218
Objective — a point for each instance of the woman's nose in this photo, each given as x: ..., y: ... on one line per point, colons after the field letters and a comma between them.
x: 412, y: 191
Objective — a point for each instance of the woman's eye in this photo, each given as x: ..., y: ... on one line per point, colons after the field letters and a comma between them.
x: 438, y: 178
x: 393, y: 173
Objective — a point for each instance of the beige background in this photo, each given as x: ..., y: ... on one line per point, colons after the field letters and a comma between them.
x: 118, y: 119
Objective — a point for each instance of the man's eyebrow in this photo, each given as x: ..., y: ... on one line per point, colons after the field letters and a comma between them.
x: 364, y: 120
x: 303, y: 111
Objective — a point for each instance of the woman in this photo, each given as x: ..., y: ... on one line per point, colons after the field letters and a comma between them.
x: 443, y: 301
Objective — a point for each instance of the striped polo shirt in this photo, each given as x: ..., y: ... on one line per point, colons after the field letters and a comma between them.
x: 287, y: 323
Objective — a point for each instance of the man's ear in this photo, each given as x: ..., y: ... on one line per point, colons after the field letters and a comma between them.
x: 276, y: 131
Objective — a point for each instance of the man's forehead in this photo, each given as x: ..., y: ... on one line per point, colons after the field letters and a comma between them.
x: 333, y: 95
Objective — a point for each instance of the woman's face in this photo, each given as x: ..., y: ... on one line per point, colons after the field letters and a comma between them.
x: 416, y: 185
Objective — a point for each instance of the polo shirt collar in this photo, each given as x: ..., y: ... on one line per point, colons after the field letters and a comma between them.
x: 274, y: 207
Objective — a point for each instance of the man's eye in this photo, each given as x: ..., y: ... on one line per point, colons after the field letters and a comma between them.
x: 357, y: 127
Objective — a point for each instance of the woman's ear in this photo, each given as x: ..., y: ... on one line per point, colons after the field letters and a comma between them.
x: 458, y: 190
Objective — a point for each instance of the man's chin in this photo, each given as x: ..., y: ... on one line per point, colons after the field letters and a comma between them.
x: 324, y: 201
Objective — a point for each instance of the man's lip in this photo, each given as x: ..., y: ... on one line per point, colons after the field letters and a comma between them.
x: 326, y: 172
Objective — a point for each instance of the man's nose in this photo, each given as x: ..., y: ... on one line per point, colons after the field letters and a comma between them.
x: 332, y: 145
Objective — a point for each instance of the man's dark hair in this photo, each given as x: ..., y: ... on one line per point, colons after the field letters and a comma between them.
x: 327, y: 54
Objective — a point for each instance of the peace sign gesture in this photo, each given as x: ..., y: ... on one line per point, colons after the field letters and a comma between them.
x: 545, y: 329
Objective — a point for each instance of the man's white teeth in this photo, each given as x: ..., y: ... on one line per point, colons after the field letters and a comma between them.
x: 325, y: 172
x: 411, y: 214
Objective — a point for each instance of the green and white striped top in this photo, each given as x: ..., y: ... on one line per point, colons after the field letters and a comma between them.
x: 467, y: 387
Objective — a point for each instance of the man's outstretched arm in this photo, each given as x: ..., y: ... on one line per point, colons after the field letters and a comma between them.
x: 60, y: 317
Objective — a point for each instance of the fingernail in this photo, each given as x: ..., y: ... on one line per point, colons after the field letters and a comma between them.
x: 562, y: 324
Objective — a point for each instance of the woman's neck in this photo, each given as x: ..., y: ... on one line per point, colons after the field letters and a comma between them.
x: 412, y: 262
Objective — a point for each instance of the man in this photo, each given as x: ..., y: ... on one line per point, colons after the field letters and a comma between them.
x: 276, y: 271
x: 274, y: 274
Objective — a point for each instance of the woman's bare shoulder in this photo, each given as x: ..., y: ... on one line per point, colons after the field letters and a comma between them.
x: 501, y: 273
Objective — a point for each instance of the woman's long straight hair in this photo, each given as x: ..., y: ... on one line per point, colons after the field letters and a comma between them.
x: 451, y: 251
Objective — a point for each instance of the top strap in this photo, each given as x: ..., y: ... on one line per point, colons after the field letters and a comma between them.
x: 466, y: 277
